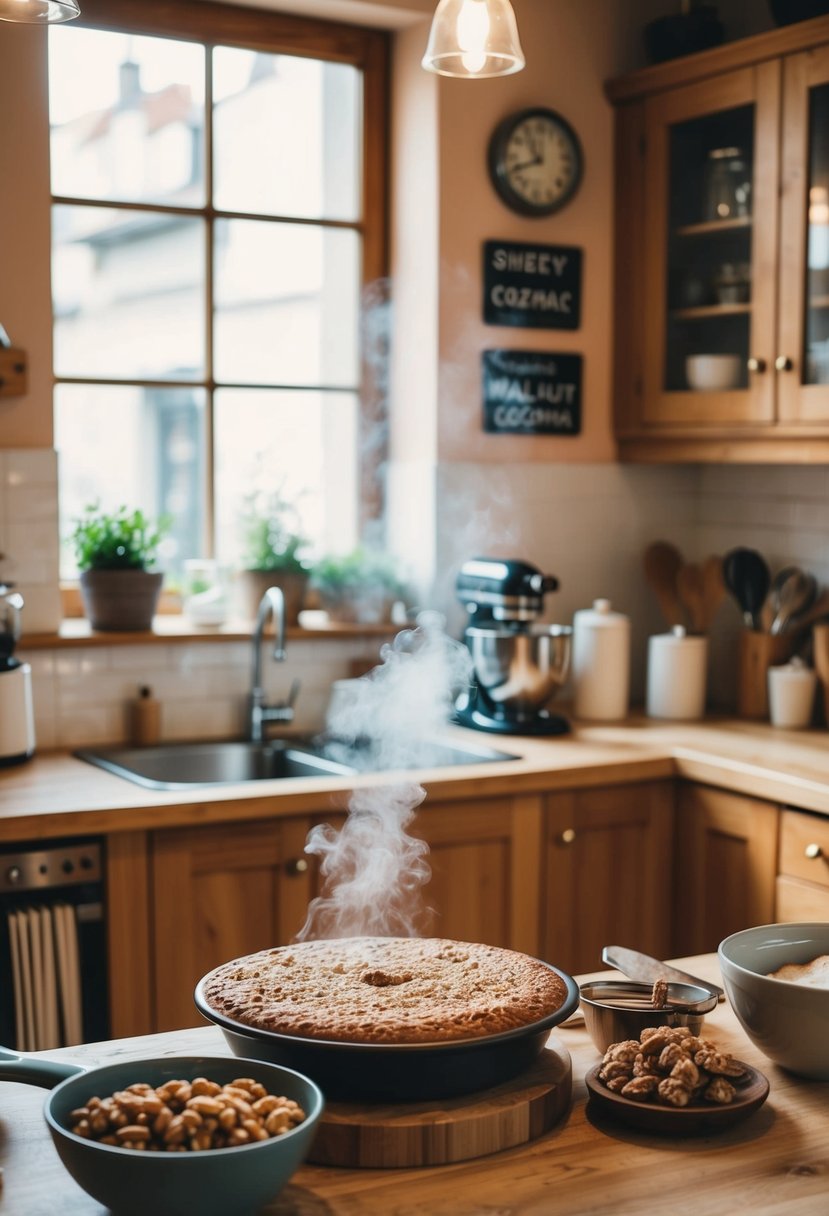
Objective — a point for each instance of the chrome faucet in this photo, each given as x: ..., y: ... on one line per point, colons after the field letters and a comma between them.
x: 271, y: 604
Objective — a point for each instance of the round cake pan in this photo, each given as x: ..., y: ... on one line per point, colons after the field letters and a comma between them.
x: 390, y: 1072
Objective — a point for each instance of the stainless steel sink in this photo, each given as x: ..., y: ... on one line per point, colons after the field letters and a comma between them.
x: 179, y: 765
x: 176, y: 766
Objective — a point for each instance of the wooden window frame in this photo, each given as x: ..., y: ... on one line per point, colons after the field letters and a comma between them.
x: 366, y: 49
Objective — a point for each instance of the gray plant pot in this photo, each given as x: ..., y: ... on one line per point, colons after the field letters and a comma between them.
x: 120, y: 600
x: 254, y: 583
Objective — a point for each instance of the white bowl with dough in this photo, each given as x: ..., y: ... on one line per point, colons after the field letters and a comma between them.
x: 787, y: 1021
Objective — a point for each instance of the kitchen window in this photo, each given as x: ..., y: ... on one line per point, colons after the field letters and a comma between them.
x: 218, y: 216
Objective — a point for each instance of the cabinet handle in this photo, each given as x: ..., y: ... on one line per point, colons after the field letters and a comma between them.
x: 568, y: 836
x: 297, y: 865
x: 783, y: 363
x: 813, y: 851
x: 756, y: 365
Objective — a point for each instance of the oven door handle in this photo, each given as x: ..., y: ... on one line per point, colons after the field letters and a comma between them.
x: 30, y: 1069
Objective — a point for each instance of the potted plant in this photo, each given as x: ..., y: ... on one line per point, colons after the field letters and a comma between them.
x: 360, y: 586
x: 114, y: 552
x: 272, y: 548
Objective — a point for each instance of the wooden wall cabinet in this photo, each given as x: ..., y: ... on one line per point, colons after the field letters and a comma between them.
x: 722, y: 248
x: 607, y: 873
x: 725, y: 866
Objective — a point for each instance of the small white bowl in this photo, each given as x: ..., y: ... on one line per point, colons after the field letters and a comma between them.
x: 787, y: 1021
x: 713, y: 373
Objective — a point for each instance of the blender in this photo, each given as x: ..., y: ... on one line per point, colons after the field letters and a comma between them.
x: 17, y: 724
x: 518, y: 663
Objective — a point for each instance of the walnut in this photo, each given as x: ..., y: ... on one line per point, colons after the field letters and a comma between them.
x: 655, y: 1039
x: 617, y: 1084
x: 615, y: 1068
x: 720, y: 1091
x: 640, y: 1089
x: 673, y: 1093
x: 686, y: 1071
x: 659, y: 995
x: 718, y: 1062
x: 670, y: 1055
x: 626, y: 1051
x: 645, y: 1066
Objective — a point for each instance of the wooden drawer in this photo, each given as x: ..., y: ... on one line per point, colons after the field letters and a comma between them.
x: 801, y: 901
x: 804, y: 847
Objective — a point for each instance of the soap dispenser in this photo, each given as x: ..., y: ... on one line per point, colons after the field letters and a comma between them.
x: 146, y: 718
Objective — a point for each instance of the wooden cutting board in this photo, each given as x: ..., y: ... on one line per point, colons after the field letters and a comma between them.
x: 456, y: 1129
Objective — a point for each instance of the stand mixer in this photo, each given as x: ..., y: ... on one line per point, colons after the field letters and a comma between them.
x: 518, y: 664
x: 17, y: 726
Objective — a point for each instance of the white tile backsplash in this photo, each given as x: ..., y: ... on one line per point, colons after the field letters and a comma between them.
x: 588, y: 524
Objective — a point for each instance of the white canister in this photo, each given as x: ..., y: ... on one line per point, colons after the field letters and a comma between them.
x: 677, y: 664
x: 791, y: 694
x: 600, y: 663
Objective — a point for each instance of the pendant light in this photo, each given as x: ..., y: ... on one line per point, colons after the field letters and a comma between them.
x: 473, y: 39
x: 38, y: 12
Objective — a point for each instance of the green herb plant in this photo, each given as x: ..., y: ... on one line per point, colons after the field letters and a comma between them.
x: 272, y: 540
x: 357, y: 571
x: 116, y: 540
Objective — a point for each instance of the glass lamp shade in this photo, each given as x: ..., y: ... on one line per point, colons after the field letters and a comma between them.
x: 38, y: 12
x: 473, y: 39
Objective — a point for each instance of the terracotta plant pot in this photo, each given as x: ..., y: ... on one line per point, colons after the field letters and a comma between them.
x: 254, y: 583
x: 120, y: 600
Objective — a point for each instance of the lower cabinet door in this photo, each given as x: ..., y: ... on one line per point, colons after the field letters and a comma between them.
x: 607, y: 873
x: 726, y: 863
x: 218, y: 893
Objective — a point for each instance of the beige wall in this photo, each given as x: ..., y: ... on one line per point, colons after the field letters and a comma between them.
x: 25, y: 299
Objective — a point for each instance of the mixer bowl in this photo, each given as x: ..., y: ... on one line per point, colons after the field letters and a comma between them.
x: 518, y: 670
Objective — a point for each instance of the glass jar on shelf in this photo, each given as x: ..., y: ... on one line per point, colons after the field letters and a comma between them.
x: 727, y: 184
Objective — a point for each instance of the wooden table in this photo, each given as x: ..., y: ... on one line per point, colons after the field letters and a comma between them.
x: 776, y: 1162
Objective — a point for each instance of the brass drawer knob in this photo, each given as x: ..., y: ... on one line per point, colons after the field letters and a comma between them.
x: 813, y: 851
x: 297, y: 865
x: 783, y: 363
x: 567, y: 836
x: 756, y: 365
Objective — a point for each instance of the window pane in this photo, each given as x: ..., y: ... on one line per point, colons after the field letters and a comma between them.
x: 133, y: 446
x: 128, y: 294
x: 286, y: 135
x: 127, y: 117
x: 303, y: 444
x: 287, y: 298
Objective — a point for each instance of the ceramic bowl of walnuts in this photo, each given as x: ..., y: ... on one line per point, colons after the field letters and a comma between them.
x: 205, y: 1134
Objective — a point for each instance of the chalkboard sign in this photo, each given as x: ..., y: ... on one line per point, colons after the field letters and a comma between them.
x: 532, y: 286
x: 531, y: 392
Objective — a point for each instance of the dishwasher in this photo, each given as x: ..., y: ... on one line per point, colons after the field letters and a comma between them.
x: 53, y: 945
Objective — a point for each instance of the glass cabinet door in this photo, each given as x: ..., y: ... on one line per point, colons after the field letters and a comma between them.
x: 710, y: 224
x: 802, y: 359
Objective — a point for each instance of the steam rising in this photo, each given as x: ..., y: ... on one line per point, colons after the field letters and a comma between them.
x: 373, y: 870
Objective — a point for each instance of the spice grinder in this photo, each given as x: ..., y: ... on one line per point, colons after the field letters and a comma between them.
x: 17, y: 725
x: 518, y: 663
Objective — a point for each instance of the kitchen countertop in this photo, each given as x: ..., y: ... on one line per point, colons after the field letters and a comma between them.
x: 776, y: 1161
x: 56, y: 794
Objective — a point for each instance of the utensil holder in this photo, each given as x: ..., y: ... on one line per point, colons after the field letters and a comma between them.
x: 758, y: 652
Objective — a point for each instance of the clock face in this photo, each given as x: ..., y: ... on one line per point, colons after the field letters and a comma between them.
x: 535, y: 162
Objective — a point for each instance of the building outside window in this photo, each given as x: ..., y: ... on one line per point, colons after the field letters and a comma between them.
x: 215, y: 229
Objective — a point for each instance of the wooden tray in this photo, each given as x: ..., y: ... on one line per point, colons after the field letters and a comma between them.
x: 457, y: 1129
x: 699, y: 1118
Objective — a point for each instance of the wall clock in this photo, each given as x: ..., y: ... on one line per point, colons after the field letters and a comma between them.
x: 535, y: 161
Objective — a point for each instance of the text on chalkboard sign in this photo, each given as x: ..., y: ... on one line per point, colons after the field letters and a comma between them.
x: 531, y: 392
x: 532, y: 286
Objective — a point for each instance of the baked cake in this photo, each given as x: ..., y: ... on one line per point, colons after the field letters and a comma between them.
x: 814, y: 974
x: 385, y: 990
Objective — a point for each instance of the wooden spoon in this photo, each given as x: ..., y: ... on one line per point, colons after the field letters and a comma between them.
x: 713, y: 589
x: 662, y: 562
x: 689, y: 584
x: 819, y: 611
